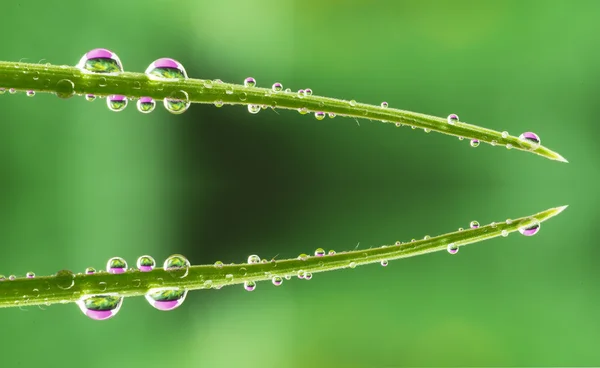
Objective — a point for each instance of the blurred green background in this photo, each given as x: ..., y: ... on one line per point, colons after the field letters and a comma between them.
x: 81, y: 184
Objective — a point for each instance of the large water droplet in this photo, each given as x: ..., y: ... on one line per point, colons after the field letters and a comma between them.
x: 474, y: 224
x: 249, y: 82
x: 277, y: 280
x: 452, y: 119
x: 116, y: 265
x: 166, y: 299
x: 177, y: 265
x: 319, y: 252
x: 474, y: 143
x: 146, y: 105
x: 530, y: 230
x: 320, y: 115
x: 253, y: 109
x: 531, y: 138
x: 100, y: 61
x: 116, y: 102
x: 249, y: 285
x: 277, y: 87
x: 177, y: 103
x: 146, y: 263
x: 253, y: 259
x: 218, y: 264
x: 166, y: 69
x: 452, y: 248
x: 100, y: 307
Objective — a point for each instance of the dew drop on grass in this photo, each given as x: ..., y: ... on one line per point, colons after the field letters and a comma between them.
x: 277, y: 280
x: 249, y: 285
x: 12, y: 277
x: 277, y: 87
x: 145, y: 263
x: 331, y: 115
x: 474, y: 225
x: 253, y: 259
x: 307, y: 276
x: 249, y: 82
x: 452, y: 248
x: 12, y: 91
x: 218, y: 264
x: 253, y: 109
x: 90, y: 97
x: 319, y: 115
x: 2, y: 91
x: 166, y: 69
x: 2, y: 278
x: 452, y: 119
x: 531, y: 138
x: 384, y: 262
x: 116, y: 265
x: 319, y: 252
x: 30, y: 93
x: 384, y: 104
x: 90, y: 271
x: 474, y: 143
x: 308, y: 92
x: 30, y: 275
x: 177, y: 103
x: 116, y: 102
x: 166, y: 299
x: 219, y: 103
x: 100, y: 307
x: 146, y: 105
x: 301, y: 274
x: 303, y: 257
x: 177, y: 265
x: 100, y: 61
x: 504, y: 134
x: 331, y: 252
x: 352, y: 264
x: 65, y: 88
x: 530, y: 230
x: 504, y: 233
x: 352, y: 103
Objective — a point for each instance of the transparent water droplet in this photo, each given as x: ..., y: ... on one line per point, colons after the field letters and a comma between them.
x: 307, y: 276
x: 116, y: 265
x: 30, y: 93
x: 384, y: 262
x: 474, y: 224
x: 277, y: 87
x: 509, y: 146
x: 208, y: 84
x: 460, y: 229
x: 65, y: 279
x: 508, y: 221
x: 146, y: 105
x: 65, y: 88
x: 2, y: 91
x: 384, y: 104
x: 177, y: 265
x: 452, y: 119
x: 530, y: 230
x: 331, y: 115
x: 504, y: 134
x: 249, y: 82
x: 102, y: 82
x: 504, y: 233
x: 2, y: 278
x: 352, y: 265
x: 301, y: 274
x: 218, y: 264
x: 474, y: 143
x: 352, y: 103
x: 319, y: 115
x: 493, y: 143
x: 100, y: 307
x: 319, y: 252
x: 145, y: 263
x: 303, y: 110
x: 30, y: 275
x: 90, y: 271
x: 166, y: 69
x: 253, y: 109
x: 177, y: 103
x: 426, y: 237
x: 288, y: 90
x: 116, y: 103
x: 12, y: 91
x: 308, y: 92
x: 249, y: 285
x: 90, y: 97
x: 531, y: 138
x: 229, y: 90
x: 303, y: 257
x: 12, y: 278
x: 100, y: 61
x: 166, y: 299
x: 277, y: 280
x: 331, y: 252
x: 219, y: 103
x: 300, y: 93
x: 253, y: 259
x: 288, y: 277
x: 452, y: 248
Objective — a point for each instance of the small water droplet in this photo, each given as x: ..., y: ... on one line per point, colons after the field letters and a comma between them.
x: 508, y: 221
x: 64, y: 279
x: 12, y: 277
x: 331, y: 252
x: 277, y: 87
x: 30, y: 93
x: 460, y: 229
x: 146, y: 105
x: 249, y: 82
x: 100, y: 307
x: 249, y: 285
x: 116, y: 265
x: 303, y: 257
x: 352, y: 264
x: 253, y: 109
x: 30, y: 275
x: 100, y: 61
x: 452, y: 119
x: 166, y: 69
x: 331, y: 115
x: 307, y: 276
x: 277, y: 280
x: 229, y: 90
x: 319, y: 115
x: 253, y: 259
x: 90, y: 97
x: 177, y: 265
x: 452, y: 248
x: 208, y: 84
x: 530, y: 230
x: 288, y: 277
x: 474, y: 225
x: 65, y: 88
x: 301, y: 274
x: 504, y: 233
x: 474, y: 143
x: 2, y: 278
x: 352, y: 103
x: 384, y: 104
x: 218, y: 264
x: 531, y: 138
x: 116, y: 102
x: 303, y: 110
x: 12, y: 91
x: 219, y: 103
x: 504, y: 134
x: 308, y: 92
x: 319, y: 252
x: 90, y: 271
x: 166, y: 299
x: 509, y: 146
x: 426, y: 237
x: 145, y: 263
x: 384, y: 262
x: 398, y: 243
x: 2, y: 91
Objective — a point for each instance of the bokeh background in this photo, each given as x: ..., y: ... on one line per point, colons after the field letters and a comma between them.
x: 80, y: 184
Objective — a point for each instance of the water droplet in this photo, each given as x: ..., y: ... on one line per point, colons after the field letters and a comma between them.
x: 116, y: 265
x: 218, y: 264
x: 166, y: 299
x: 166, y: 69
x: 493, y: 143
x: 303, y: 257
x: 452, y: 119
x: 301, y: 274
x: 504, y: 134
x: 100, y: 61
x: 307, y: 276
x: 384, y: 104
x: 177, y: 103
x: 426, y: 130
x: 2, y: 278
x: 64, y: 279
x: 532, y: 138
x: 2, y: 91
x: 452, y: 248
x: 90, y: 97
x: 474, y: 143
x: 116, y: 102
x: 30, y: 275
x: 12, y: 277
x: 352, y: 103
x: 30, y: 93
x: 146, y: 105
x: 303, y: 110
x: 249, y: 285
x: 398, y: 243
x: 208, y: 84
x: 331, y: 115
x: 90, y: 271
x: 460, y: 229
x: 288, y: 90
x: 100, y: 307
x: 249, y: 82
x: 509, y: 146
x: 319, y: 252
x: 277, y: 87
x: 308, y: 92
x: 352, y: 264
x: 288, y: 277
x: 504, y: 233
x: 253, y: 109
x: 219, y: 103
x: 177, y: 265
x: 320, y: 115
x: 508, y: 221
x: 530, y: 230
x: 102, y: 82
x: 12, y: 91
x: 426, y: 237
x: 474, y: 225
x: 253, y: 259
x: 145, y: 263
x: 65, y: 88
x: 277, y: 280
x: 384, y: 262
x: 229, y: 90
x: 331, y: 252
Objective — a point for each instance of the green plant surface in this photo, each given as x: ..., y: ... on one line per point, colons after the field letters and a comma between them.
x: 66, y: 287
x: 67, y: 81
